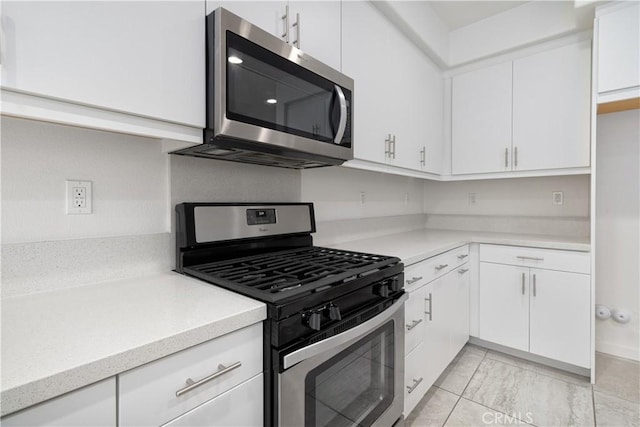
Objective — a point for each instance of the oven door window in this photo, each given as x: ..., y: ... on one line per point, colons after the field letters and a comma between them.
x: 267, y: 90
x: 355, y: 386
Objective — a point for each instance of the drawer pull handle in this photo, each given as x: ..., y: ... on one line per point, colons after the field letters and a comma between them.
x: 430, y: 299
x: 441, y: 266
x: 413, y: 324
x: 194, y: 384
x: 416, y: 383
x: 530, y: 258
x: 413, y: 280
x: 463, y: 270
x: 463, y: 256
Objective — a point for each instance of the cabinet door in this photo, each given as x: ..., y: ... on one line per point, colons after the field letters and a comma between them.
x: 265, y: 14
x: 481, y: 120
x: 504, y: 305
x: 552, y: 108
x: 560, y: 316
x: 319, y: 29
x: 144, y: 58
x: 240, y: 406
x: 417, y: 101
x: 365, y: 53
x: 437, y: 329
x: 619, y: 49
x: 94, y: 405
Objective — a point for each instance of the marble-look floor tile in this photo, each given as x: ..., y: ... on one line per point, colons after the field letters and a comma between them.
x: 618, y: 377
x: 467, y: 413
x: 615, y: 412
x: 472, y: 348
x: 514, y: 390
x: 433, y: 409
x: 459, y: 372
x: 539, y: 368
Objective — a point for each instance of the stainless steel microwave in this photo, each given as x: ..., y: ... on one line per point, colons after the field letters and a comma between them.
x: 270, y: 103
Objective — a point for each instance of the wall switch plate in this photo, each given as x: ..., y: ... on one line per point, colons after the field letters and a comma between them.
x: 558, y: 198
x: 78, y: 197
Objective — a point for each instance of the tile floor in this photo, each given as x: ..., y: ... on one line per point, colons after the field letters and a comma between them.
x: 484, y: 387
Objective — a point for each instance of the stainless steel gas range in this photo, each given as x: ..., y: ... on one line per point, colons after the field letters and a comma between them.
x: 333, y: 338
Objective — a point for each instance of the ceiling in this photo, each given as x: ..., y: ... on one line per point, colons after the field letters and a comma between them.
x: 458, y: 14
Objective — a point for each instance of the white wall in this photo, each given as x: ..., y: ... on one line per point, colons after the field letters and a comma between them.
x: 618, y: 230
x: 129, y: 175
x: 336, y: 193
x: 509, y: 197
x: 530, y: 23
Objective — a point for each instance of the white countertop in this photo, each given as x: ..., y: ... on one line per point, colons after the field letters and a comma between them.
x: 417, y: 245
x: 59, y: 341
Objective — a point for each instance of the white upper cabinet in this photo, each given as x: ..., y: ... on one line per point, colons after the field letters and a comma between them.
x: 398, y: 96
x: 141, y: 58
x: 619, y: 47
x: 365, y: 49
x: 529, y: 114
x: 552, y: 108
x: 481, y: 120
x: 317, y: 29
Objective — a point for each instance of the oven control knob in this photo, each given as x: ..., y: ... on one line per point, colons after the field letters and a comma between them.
x: 382, y: 290
x: 314, y: 320
x: 334, y: 312
x: 395, y: 284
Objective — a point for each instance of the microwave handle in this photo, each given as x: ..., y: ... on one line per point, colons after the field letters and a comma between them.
x: 342, y: 125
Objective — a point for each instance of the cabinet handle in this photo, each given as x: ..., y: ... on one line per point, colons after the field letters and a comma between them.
x: 430, y: 299
x: 522, y: 283
x: 423, y: 156
x: 413, y: 280
x: 296, y: 24
x: 413, y: 324
x: 534, y: 285
x: 463, y: 256
x: 393, y: 151
x: 463, y: 270
x: 194, y: 384
x: 515, y: 157
x: 506, y: 157
x: 416, y: 383
x: 387, y: 146
x: 441, y: 266
x: 530, y: 258
x: 285, y: 19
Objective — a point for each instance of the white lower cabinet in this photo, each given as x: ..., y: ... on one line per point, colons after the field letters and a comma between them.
x: 161, y: 391
x: 537, y: 310
x: 247, y: 397
x: 93, y: 405
x: 436, y: 320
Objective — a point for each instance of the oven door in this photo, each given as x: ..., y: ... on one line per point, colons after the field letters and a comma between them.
x: 354, y: 378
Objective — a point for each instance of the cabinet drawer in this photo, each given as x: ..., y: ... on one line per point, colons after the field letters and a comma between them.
x: 430, y: 269
x: 550, y: 259
x: 414, y: 320
x: 147, y: 395
x: 414, y: 378
x: 240, y: 406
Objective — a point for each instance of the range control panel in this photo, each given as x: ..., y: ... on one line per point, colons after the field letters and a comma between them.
x: 261, y: 216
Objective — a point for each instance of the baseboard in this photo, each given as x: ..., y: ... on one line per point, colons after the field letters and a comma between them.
x: 532, y: 357
x: 624, y: 351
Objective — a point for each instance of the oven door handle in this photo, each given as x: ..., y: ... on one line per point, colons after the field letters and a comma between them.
x: 320, y: 347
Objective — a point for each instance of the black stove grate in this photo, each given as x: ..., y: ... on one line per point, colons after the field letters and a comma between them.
x: 292, y: 271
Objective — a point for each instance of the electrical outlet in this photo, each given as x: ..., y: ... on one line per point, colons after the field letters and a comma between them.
x: 362, y: 197
x: 472, y: 198
x: 78, y: 198
x: 558, y: 198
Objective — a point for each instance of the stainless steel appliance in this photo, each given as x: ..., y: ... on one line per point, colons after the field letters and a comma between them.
x: 270, y: 103
x: 334, y: 339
